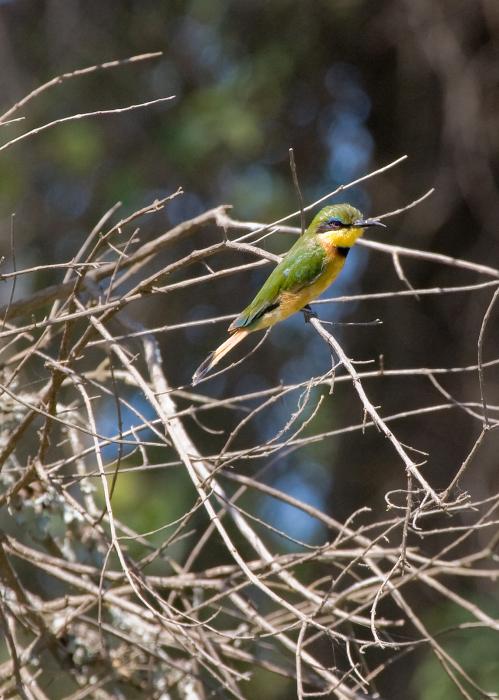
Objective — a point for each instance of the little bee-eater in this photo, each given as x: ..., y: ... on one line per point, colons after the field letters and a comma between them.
x: 309, y: 267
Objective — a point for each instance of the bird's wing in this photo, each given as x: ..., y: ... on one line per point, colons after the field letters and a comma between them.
x: 301, y: 267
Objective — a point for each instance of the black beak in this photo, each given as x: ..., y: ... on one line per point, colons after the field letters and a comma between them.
x: 364, y: 223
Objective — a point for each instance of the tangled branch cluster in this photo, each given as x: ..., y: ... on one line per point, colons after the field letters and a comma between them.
x: 83, y: 610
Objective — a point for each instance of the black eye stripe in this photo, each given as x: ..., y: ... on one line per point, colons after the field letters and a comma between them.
x: 337, y: 223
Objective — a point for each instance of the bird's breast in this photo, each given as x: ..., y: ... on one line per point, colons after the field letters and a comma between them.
x: 335, y: 253
x: 327, y: 244
x: 332, y: 268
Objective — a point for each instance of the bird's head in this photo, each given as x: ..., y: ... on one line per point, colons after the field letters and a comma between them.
x: 343, y: 224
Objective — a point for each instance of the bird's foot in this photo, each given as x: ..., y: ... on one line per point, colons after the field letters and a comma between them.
x: 308, y: 313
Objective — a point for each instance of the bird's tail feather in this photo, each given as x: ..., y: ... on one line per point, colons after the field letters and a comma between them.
x: 215, y: 357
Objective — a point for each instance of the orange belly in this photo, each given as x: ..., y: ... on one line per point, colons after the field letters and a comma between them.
x: 291, y: 302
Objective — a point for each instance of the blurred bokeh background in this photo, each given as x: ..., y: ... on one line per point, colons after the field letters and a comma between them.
x: 351, y: 85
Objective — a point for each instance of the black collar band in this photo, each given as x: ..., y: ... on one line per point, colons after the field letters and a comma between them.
x: 343, y: 250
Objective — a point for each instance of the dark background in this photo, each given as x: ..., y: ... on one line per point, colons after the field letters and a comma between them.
x: 350, y: 85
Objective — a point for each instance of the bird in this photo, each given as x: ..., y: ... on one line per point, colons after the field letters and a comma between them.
x: 308, y: 268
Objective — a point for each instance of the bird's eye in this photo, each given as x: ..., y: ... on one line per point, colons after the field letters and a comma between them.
x: 337, y: 223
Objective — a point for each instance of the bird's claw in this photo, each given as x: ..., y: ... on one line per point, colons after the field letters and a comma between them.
x: 308, y: 313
